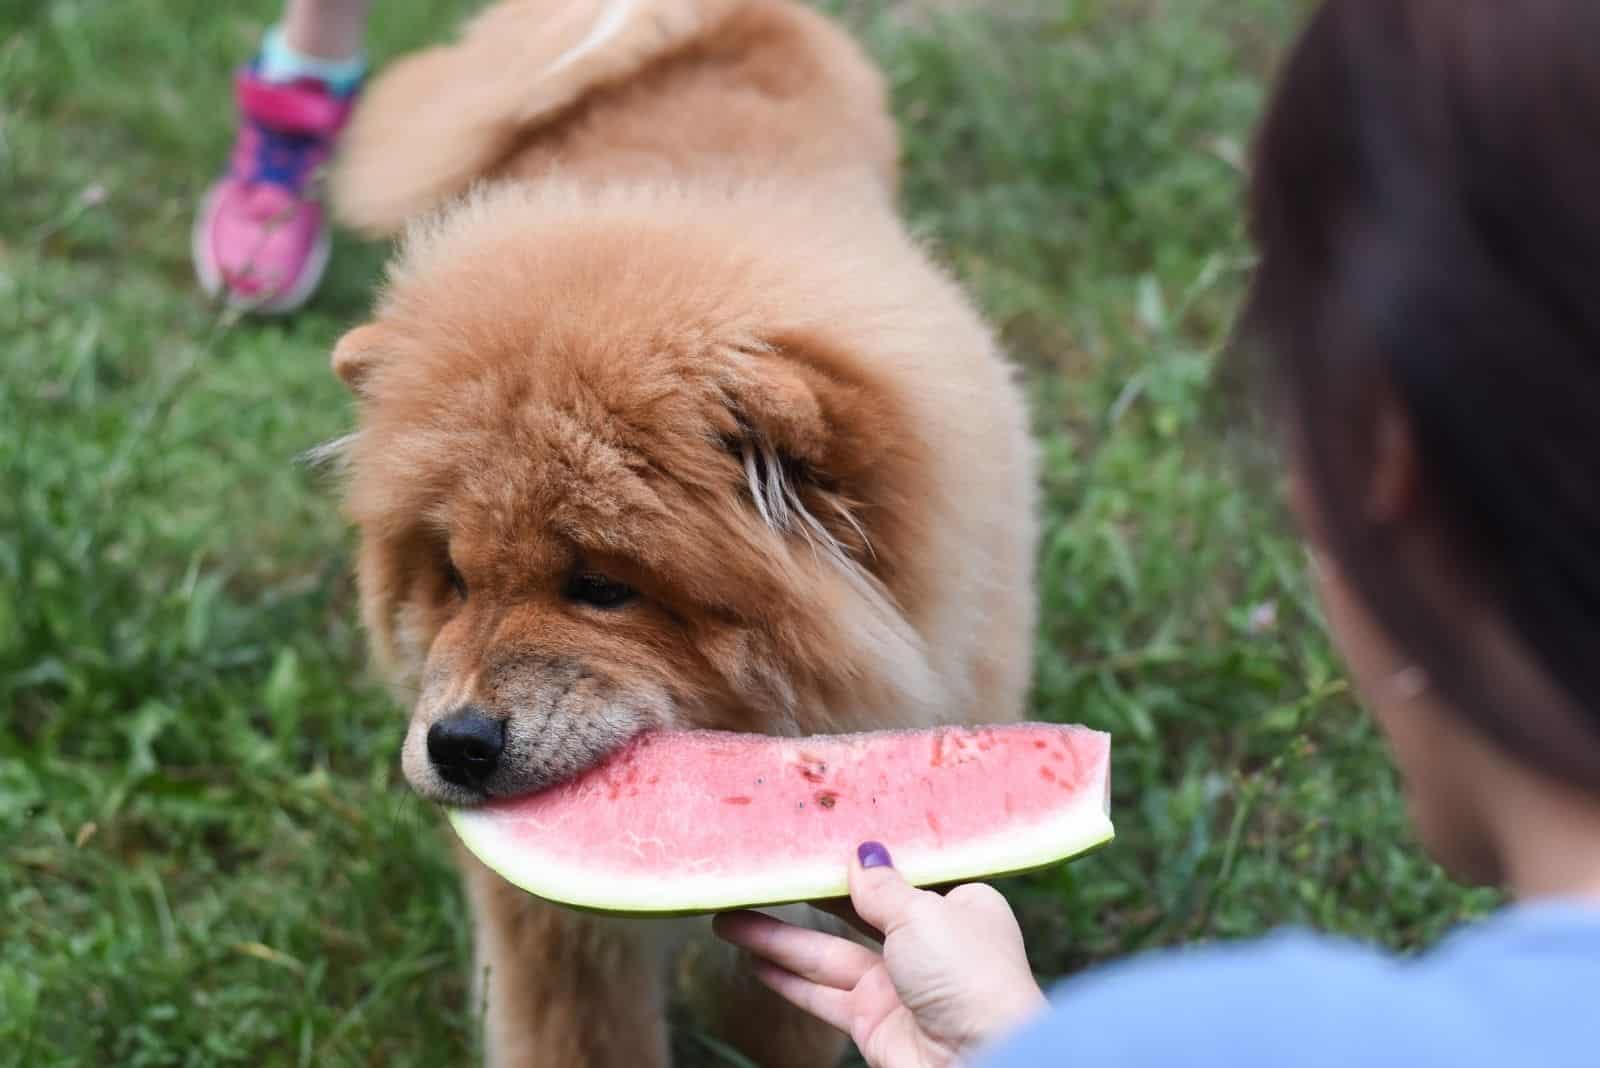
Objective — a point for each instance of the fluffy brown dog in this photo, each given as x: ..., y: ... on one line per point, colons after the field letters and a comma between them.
x: 670, y: 426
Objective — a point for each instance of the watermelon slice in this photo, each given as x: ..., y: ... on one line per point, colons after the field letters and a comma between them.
x: 701, y: 821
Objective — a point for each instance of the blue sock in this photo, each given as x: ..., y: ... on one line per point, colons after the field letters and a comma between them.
x: 280, y: 63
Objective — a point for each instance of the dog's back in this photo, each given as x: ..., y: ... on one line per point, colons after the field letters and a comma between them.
x: 605, y: 90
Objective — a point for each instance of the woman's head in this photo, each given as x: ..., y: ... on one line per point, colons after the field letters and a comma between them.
x: 1426, y: 201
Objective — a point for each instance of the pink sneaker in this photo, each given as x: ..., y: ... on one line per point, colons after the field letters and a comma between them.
x: 262, y: 236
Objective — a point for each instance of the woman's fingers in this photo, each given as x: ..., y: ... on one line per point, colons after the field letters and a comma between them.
x: 810, y: 955
x: 830, y: 1005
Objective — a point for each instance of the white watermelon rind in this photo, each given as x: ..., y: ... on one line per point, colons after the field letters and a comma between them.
x: 1077, y: 829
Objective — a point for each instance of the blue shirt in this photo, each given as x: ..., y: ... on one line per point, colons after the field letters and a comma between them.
x: 1519, y: 990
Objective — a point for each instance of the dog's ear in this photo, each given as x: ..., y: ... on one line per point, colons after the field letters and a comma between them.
x: 796, y: 439
x: 357, y: 353
x: 779, y: 405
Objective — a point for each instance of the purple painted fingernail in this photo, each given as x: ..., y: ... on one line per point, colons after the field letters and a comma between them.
x: 873, y: 855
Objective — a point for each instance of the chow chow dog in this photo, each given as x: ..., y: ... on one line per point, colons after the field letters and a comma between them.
x: 664, y: 422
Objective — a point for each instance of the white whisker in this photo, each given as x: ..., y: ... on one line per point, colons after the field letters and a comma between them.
x: 335, y: 452
x: 855, y: 525
x: 758, y: 489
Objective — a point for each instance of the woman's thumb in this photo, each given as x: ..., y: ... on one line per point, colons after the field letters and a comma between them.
x: 880, y: 894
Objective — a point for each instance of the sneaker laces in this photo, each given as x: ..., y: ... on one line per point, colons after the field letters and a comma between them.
x: 275, y: 167
x: 278, y: 157
x: 286, y: 159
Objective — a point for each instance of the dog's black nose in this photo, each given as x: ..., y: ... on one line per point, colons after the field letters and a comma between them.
x: 466, y: 747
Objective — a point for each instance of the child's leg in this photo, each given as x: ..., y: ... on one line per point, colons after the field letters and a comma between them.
x: 326, y: 29
x: 261, y: 238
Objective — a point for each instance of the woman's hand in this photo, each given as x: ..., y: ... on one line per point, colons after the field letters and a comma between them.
x: 952, y: 976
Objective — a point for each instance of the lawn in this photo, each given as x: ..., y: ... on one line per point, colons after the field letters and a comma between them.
x: 209, y: 856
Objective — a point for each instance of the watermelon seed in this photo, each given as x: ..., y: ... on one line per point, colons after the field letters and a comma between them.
x: 827, y: 800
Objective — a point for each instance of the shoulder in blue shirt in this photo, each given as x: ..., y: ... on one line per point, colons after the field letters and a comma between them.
x: 1519, y: 989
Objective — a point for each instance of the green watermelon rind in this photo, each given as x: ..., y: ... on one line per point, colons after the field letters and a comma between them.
x: 1075, y: 831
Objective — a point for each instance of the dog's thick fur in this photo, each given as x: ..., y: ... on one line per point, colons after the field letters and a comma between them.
x: 679, y: 339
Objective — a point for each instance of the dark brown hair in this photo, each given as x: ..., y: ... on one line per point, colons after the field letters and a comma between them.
x: 1426, y: 201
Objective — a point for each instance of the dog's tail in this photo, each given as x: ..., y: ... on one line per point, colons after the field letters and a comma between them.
x: 437, y: 120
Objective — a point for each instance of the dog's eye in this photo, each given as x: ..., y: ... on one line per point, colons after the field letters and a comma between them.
x: 453, y: 577
x: 599, y: 591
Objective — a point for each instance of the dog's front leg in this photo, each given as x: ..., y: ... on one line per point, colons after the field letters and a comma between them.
x: 562, y: 989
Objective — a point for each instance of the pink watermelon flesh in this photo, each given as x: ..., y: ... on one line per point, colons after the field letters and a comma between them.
x: 685, y: 822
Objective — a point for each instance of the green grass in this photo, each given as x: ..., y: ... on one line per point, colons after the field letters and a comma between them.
x: 208, y: 855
